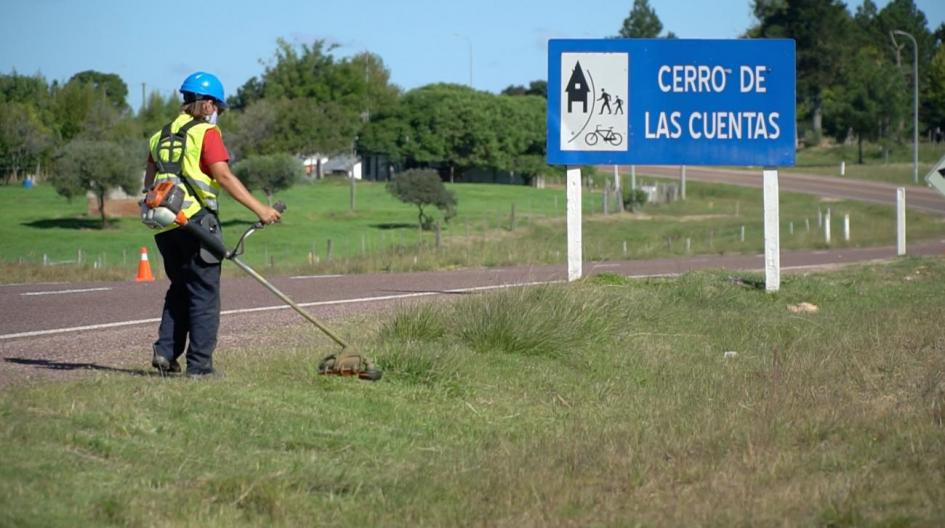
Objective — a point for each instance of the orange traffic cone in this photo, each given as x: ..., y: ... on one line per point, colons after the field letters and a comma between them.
x: 144, y: 267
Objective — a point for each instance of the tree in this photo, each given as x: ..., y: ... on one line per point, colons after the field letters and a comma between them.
x: 821, y: 30
x: 453, y: 126
x: 521, y: 125
x: 271, y: 173
x: 903, y: 15
x: 71, y: 106
x: 868, y: 100
x: 23, y: 138
x: 97, y: 166
x: 251, y: 131
x: 110, y: 84
x: 936, y: 91
x: 322, y: 103
x: 539, y: 88
x: 157, y: 111
x: 423, y: 188
x: 642, y: 22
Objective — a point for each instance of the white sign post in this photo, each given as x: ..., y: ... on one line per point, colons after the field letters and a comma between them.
x: 574, y: 224
x: 901, y: 221
x: 772, y: 231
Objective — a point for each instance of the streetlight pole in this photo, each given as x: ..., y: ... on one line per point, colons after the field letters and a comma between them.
x: 915, y: 101
x: 469, y: 43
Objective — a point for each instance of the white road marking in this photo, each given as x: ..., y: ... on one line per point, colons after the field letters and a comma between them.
x: 57, y: 292
x: 31, y: 284
x: 315, y: 276
x: 39, y: 333
x: 117, y: 324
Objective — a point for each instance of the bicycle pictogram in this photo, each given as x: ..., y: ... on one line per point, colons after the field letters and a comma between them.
x: 607, y: 134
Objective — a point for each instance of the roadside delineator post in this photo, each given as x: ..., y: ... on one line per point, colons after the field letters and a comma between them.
x: 901, y: 221
x: 144, y: 267
x: 772, y: 214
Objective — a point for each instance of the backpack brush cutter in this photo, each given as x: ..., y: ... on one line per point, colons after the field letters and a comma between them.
x: 164, y: 202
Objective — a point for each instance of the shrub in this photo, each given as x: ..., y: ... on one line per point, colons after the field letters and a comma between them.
x: 423, y: 188
x: 633, y: 199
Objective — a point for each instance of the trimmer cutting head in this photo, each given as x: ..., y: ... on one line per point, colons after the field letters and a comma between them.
x: 349, y: 364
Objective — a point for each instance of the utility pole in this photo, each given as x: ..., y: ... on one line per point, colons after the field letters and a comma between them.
x: 915, y: 101
x: 142, y: 96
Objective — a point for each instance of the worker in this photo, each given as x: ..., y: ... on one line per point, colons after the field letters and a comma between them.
x: 192, y: 303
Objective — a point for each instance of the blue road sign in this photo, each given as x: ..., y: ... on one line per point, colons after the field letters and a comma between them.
x: 671, y: 101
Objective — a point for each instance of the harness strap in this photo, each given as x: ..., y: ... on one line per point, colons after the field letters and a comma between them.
x: 175, y: 144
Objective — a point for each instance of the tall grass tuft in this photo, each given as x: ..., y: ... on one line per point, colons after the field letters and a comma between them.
x: 545, y: 321
x: 425, y: 322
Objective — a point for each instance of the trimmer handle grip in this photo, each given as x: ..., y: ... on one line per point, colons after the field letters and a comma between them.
x: 211, y: 243
x: 280, y: 206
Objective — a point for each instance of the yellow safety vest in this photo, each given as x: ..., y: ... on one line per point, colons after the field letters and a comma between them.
x: 206, y: 187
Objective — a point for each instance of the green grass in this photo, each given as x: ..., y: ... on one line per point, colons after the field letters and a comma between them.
x: 603, y: 403
x: 381, y: 234
x: 897, y: 169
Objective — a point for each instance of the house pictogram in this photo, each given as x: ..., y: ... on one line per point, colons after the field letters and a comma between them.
x: 577, y: 88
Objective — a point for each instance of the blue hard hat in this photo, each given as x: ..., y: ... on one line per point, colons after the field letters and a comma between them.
x: 204, y: 85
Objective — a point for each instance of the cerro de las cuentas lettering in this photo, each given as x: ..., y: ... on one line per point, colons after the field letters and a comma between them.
x: 714, y: 125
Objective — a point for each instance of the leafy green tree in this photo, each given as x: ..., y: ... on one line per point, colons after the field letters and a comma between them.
x: 521, y: 125
x: 71, y: 106
x: 821, y: 30
x: 271, y: 173
x: 304, y: 126
x: 868, y: 100
x: 936, y: 91
x: 642, y: 22
x: 423, y: 188
x: 30, y: 90
x: 321, y: 103
x: 157, y: 111
x: 903, y: 15
x: 539, y: 88
x: 97, y: 166
x: 23, y: 138
x: 114, y: 88
x: 387, y: 133
x: 459, y: 128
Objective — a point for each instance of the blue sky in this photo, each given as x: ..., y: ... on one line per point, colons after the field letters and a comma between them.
x: 420, y: 41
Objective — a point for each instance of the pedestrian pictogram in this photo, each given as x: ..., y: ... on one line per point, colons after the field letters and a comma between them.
x: 595, y: 86
x: 605, y: 97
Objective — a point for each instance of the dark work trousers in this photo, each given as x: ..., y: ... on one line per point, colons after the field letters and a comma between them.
x: 192, y: 303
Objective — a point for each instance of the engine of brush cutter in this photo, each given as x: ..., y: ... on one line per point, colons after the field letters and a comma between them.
x: 162, y: 206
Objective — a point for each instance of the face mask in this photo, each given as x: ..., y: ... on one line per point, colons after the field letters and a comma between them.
x: 212, y: 118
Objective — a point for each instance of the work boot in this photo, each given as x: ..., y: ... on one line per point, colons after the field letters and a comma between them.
x: 165, y: 366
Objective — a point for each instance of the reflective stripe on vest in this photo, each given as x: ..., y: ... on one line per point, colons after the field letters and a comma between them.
x: 205, y: 186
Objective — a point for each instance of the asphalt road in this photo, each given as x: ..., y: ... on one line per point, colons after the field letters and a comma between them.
x: 919, y: 198
x: 55, y: 330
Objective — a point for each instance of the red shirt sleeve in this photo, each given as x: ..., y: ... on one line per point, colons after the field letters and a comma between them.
x: 213, y: 150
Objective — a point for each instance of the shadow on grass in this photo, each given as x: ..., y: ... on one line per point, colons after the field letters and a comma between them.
x: 69, y: 223
x: 57, y: 365
x: 387, y: 227
x: 748, y: 282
